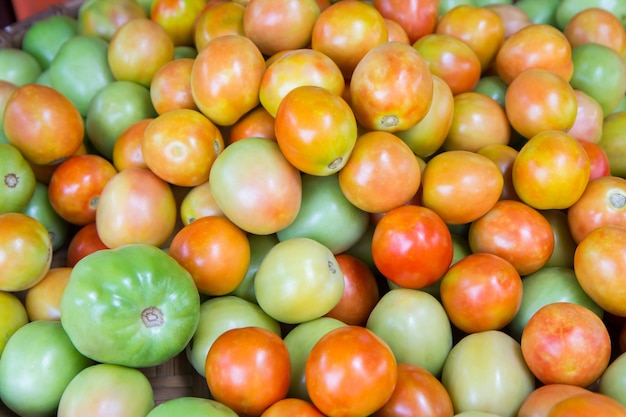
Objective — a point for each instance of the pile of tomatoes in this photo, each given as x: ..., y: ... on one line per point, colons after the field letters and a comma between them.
x: 331, y: 208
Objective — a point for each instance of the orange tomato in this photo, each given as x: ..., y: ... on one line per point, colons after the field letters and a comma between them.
x: 417, y: 17
x: 589, y: 404
x: 542, y: 399
x: 222, y: 19
x: 43, y: 300
x: 178, y: 18
x: 315, y: 130
x: 598, y: 25
x: 170, y: 88
x: 256, y: 123
x: 395, y: 32
x: 127, y: 148
x: 288, y: 407
x: 513, y: 17
x: 84, y: 242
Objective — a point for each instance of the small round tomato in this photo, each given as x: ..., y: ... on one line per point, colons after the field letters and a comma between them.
x: 256, y: 123
x: 127, y: 147
x: 412, y: 246
x: 177, y: 18
x: 198, y: 203
x: 245, y: 360
x: 225, y: 18
x: 395, y: 32
x: 84, y: 242
x: 417, y: 17
x: 350, y: 372
x: 43, y: 300
x: 170, y: 87
x: 598, y: 25
x: 513, y: 17
x: 589, y: 118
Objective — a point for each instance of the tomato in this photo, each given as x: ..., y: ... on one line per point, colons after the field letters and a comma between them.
x: 259, y: 246
x: 258, y: 122
x: 102, y: 389
x: 395, y: 32
x: 319, y: 142
x: 84, y: 241
x: 564, y: 244
x: 18, y: 185
x: 170, y: 87
x: 486, y: 372
x: 513, y: 17
x: 516, y: 232
x: 177, y: 18
x: 600, y: 72
x: 40, y: 209
x: 599, y: 264
x: 569, y: 8
x: 346, y: 31
x: 480, y: 28
x: 248, y: 359
x: 587, y: 404
x: 350, y: 372
x: 198, y: 203
x: 155, y: 323
x: 613, y: 141
x: 539, y: 46
x: 225, y: 92
x: 44, y: 37
x: 282, y: 25
x: 391, y: 88
x: 135, y: 206
x: 542, y: 399
x: 405, y: 318
x: 612, y: 383
x: 504, y: 156
x: 42, y: 124
x: 191, y: 407
x: 597, y: 25
x: 221, y: 19
x: 13, y: 315
x: 369, y: 179
x: 101, y: 18
x: 492, y: 86
x: 545, y: 286
x: 43, y: 300
x: 298, y: 280
x: 461, y: 186
x: 18, y: 67
x: 589, y: 118
x: 551, y: 171
x: 37, y: 364
x: 127, y: 147
x: 477, y: 121
x: 566, y: 343
x: 598, y: 159
x: 481, y: 292
x: 417, y: 17
x: 450, y: 59
x: 417, y: 392
x: 219, y: 314
x: 292, y: 407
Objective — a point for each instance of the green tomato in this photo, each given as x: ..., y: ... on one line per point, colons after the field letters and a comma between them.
x: 613, y: 380
x: 613, y: 141
x: 219, y: 314
x: 44, y: 78
x: 18, y: 67
x: 185, y: 51
x: 362, y: 249
x: 12, y: 316
x: 568, y: 8
x: 492, y: 86
x: 259, y: 246
x: 486, y: 372
x: 36, y: 366
x: 326, y: 215
x: 18, y: 180
x: 104, y: 390
x: 133, y: 306
x: 540, y: 11
x: 191, y: 407
x: 40, y: 208
x: 406, y: 318
x: 445, y: 5
x: 564, y: 244
x: 80, y: 69
x: 44, y: 38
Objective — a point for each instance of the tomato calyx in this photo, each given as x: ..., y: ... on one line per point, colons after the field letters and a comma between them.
x: 335, y: 163
x: 152, y: 317
x: 617, y: 200
x: 11, y: 180
x: 389, y: 120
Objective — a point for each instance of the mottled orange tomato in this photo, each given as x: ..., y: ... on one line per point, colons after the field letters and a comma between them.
x: 417, y: 17
x: 598, y: 25
x: 586, y: 405
x: 43, y: 300
x: 258, y: 122
x: 288, y: 407
x: 225, y: 18
x: 598, y: 159
x: 178, y: 18
x: 395, y: 32
x: 170, y: 88
x: 127, y: 147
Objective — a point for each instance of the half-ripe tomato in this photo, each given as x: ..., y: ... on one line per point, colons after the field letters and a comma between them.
x: 346, y: 31
x: 391, y: 88
x: 589, y: 404
x: 214, y: 251
x: 535, y: 46
x: 542, y: 399
x: 412, y: 246
x: 613, y: 141
x: 221, y: 19
x: 516, y: 232
x: 480, y: 28
x: 551, y: 171
x: 461, y: 186
x: 589, y: 118
x: 43, y: 300
x: 481, y: 292
x: 602, y: 203
x: 258, y: 122
x: 225, y: 92
x: 597, y: 25
x: 417, y: 17
x: 288, y: 407
x: 504, y: 157
x: 180, y: 147
x: 513, y: 17
x: 127, y: 147
x: 170, y: 87
x: 245, y: 361
x: 198, y: 203
x: 350, y: 372
x: 75, y: 187
x: 395, y: 32
x: 381, y: 174
x: 43, y: 124
x: 178, y: 18
x: 84, y: 242
x: 315, y: 130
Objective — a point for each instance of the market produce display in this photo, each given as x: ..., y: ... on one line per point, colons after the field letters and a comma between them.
x: 342, y: 208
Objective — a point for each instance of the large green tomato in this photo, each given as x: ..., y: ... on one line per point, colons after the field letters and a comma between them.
x: 486, y: 372
x: 613, y: 380
x: 133, y: 306
x: 37, y: 364
x: 18, y: 179
x: 326, y: 215
x: 191, y: 407
x: 219, y: 314
x: 18, y: 67
x: 407, y: 318
x: 44, y: 38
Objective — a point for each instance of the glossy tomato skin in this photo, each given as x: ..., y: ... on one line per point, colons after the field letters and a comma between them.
x: 43, y: 301
x: 412, y: 246
x: 542, y: 399
x: 178, y: 18
x: 170, y: 87
x: 18, y: 185
x: 191, y: 406
x: 84, y: 242
x: 417, y: 17
x: 358, y: 361
x: 587, y: 404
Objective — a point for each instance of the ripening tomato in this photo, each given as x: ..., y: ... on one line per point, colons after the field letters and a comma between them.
x: 102, y: 18
x: 513, y: 17
x: 412, y: 246
x: 350, y: 372
x: 43, y: 300
x: 551, y: 171
x: 461, y: 186
x: 597, y: 25
x: 178, y: 18
x: 417, y: 17
x: 504, y: 156
x: 221, y: 19
x: 197, y: 203
x: 288, y: 407
x: 613, y: 141
x: 395, y: 32
x: 543, y: 398
x: 258, y: 122
x: 127, y: 147
x: 248, y: 360
x: 170, y: 87
x: 589, y: 118
x: 588, y: 404
x: 84, y: 242
x: 599, y: 160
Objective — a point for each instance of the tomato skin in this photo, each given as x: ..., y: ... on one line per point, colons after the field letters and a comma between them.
x: 292, y: 407
x: 542, y: 399
x: 256, y: 123
x: 350, y: 372
x: 170, y: 87
x: 595, y: 24
x: 587, y: 404
x: 412, y: 246
x: 43, y: 300
x: 417, y: 17
x: 84, y: 242
x: 178, y: 18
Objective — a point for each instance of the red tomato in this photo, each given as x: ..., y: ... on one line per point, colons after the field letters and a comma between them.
x: 391, y: 88
x: 350, y: 372
x: 257, y: 123
x: 178, y: 18
x: 215, y: 252
x: 170, y: 88
x: 598, y: 159
x: 417, y: 17
x: 360, y: 291
x: 600, y: 267
x: 516, y: 232
x: 417, y: 393
x: 589, y: 118
x: 84, y: 242
x: 566, y: 343
x: 461, y: 186
x: 75, y: 187
x: 370, y: 180
x: 590, y: 404
x: 221, y: 19
x: 481, y: 292
x: 289, y: 407
x: 127, y: 147
x: 598, y: 25
x: 541, y: 400
x: 43, y: 300
x: 245, y: 361
x: 412, y: 246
